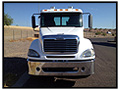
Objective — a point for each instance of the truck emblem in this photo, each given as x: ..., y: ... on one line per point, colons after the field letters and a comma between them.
x: 59, y: 38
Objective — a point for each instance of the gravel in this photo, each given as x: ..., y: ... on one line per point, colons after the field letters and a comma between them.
x: 16, y: 48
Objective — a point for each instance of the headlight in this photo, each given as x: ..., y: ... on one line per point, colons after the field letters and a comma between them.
x: 88, y: 53
x: 33, y: 53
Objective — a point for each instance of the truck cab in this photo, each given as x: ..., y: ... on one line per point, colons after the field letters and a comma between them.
x: 61, y: 49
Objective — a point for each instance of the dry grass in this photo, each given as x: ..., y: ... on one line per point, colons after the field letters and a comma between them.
x: 31, y: 38
x: 19, y: 27
x: 24, y: 39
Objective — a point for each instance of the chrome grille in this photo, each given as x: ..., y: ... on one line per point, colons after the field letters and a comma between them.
x: 65, y: 45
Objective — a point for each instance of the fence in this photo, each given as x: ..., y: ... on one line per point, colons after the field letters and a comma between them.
x: 19, y: 34
x: 13, y: 34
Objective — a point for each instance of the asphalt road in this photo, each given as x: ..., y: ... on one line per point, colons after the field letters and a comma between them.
x: 105, y: 70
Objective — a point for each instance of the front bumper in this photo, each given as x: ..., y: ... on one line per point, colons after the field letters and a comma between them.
x: 60, y: 67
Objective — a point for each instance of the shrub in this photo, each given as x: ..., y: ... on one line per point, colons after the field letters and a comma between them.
x: 100, y: 29
x: 95, y: 28
x: 97, y: 33
x: 104, y: 34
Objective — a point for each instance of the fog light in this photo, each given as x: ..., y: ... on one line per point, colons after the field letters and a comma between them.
x: 38, y: 69
x: 82, y: 69
x: 75, y: 68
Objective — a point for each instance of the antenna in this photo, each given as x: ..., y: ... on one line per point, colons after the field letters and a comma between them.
x: 52, y: 7
x: 70, y: 7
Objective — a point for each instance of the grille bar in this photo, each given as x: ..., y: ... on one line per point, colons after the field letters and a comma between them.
x: 60, y: 56
x: 60, y: 43
x: 60, y: 69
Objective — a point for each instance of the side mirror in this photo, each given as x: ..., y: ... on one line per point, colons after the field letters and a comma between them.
x: 90, y: 21
x: 33, y: 22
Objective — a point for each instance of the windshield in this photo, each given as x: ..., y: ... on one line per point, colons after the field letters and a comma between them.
x: 61, y: 19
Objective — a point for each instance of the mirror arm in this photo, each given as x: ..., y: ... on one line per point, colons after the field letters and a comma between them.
x: 86, y: 13
x: 36, y: 14
x: 35, y: 30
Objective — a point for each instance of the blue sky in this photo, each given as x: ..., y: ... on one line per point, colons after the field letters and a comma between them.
x: 104, y: 14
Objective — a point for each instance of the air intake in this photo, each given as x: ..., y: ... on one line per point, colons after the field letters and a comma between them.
x: 61, y: 44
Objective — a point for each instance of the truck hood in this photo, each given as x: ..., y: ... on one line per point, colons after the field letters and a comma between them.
x: 61, y: 30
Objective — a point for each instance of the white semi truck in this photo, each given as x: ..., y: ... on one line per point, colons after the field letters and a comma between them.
x: 61, y: 49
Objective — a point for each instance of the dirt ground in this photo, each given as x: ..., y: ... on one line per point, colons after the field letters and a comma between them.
x: 15, y: 64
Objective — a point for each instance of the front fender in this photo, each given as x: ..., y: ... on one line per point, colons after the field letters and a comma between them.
x: 36, y: 45
x: 84, y: 45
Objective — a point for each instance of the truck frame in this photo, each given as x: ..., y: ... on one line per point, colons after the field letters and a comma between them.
x: 61, y: 49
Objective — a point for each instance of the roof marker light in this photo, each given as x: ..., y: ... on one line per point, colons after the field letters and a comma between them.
x: 66, y: 9
x: 45, y: 10
x: 61, y: 9
x: 55, y: 9
x: 76, y: 9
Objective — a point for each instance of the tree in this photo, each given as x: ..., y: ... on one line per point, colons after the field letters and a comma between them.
x: 100, y: 29
x: 105, y: 29
x: 7, y: 19
x: 95, y: 28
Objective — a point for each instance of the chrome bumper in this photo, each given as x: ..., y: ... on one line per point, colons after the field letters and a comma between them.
x: 60, y: 67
